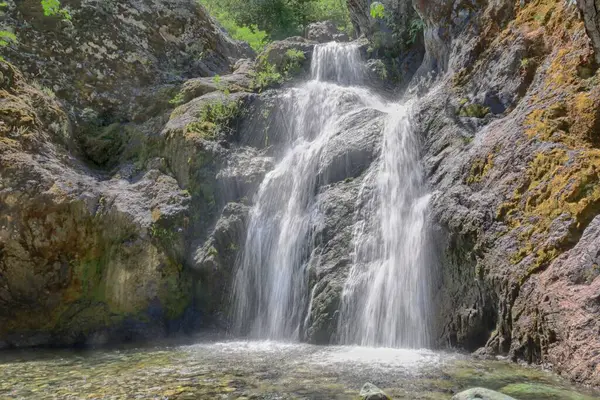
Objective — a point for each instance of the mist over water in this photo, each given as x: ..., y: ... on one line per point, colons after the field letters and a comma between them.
x: 385, y: 299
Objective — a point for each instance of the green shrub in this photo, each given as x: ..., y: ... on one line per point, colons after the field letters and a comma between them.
x: 52, y: 8
x: 177, y: 100
x: 415, y: 28
x: 293, y: 61
x: 265, y: 77
x: 256, y: 38
x: 214, y: 118
x: 377, y: 10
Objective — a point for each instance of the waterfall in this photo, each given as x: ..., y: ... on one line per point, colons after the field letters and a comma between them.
x: 271, y: 293
x: 386, y: 299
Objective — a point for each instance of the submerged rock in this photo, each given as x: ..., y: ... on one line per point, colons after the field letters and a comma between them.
x: 372, y: 392
x: 480, y: 394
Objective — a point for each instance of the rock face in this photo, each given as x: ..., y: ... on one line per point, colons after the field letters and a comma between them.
x: 325, y: 31
x: 103, y: 200
x: 110, y: 54
x: 82, y: 257
x: 510, y: 136
x: 589, y: 10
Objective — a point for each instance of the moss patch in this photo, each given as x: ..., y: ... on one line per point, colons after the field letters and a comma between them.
x: 559, y: 183
x: 480, y: 168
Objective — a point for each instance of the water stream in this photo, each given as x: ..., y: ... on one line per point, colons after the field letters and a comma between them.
x: 270, y: 290
x: 386, y: 298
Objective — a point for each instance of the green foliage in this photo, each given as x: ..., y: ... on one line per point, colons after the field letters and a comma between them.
x: 265, y: 77
x: 380, y: 69
x: 294, y: 59
x: 44, y: 89
x: 259, y: 21
x: 177, y: 100
x: 268, y: 74
x: 214, y: 118
x: 7, y: 38
x: 415, y: 28
x: 377, y: 10
x: 256, y: 38
x: 52, y: 8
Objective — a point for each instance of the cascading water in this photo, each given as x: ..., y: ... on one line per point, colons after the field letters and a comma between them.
x: 270, y: 288
x: 382, y: 302
x: 386, y: 299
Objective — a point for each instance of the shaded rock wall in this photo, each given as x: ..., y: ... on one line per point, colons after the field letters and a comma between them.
x: 81, y: 258
x: 97, y: 216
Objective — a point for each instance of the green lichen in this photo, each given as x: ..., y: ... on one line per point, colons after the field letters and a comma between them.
x: 473, y: 110
x: 480, y: 168
x: 558, y: 184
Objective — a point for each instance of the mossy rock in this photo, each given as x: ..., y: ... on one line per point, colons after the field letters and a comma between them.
x: 537, y: 391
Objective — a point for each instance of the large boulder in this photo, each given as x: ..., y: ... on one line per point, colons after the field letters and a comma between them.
x: 82, y: 256
x: 372, y: 392
x: 325, y: 31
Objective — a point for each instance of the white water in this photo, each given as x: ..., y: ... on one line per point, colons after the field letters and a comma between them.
x: 386, y: 299
x: 382, y: 302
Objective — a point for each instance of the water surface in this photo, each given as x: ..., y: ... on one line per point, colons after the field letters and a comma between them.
x: 264, y: 370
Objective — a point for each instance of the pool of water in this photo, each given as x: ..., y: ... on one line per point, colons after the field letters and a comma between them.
x: 264, y: 370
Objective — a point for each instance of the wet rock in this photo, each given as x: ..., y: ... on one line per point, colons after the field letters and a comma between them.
x: 372, y: 392
x: 215, y: 258
x: 330, y: 260
x: 351, y: 152
x: 480, y: 393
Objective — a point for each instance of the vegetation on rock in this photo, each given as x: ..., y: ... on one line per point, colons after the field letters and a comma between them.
x: 214, y: 118
x: 259, y: 21
x: 268, y: 74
